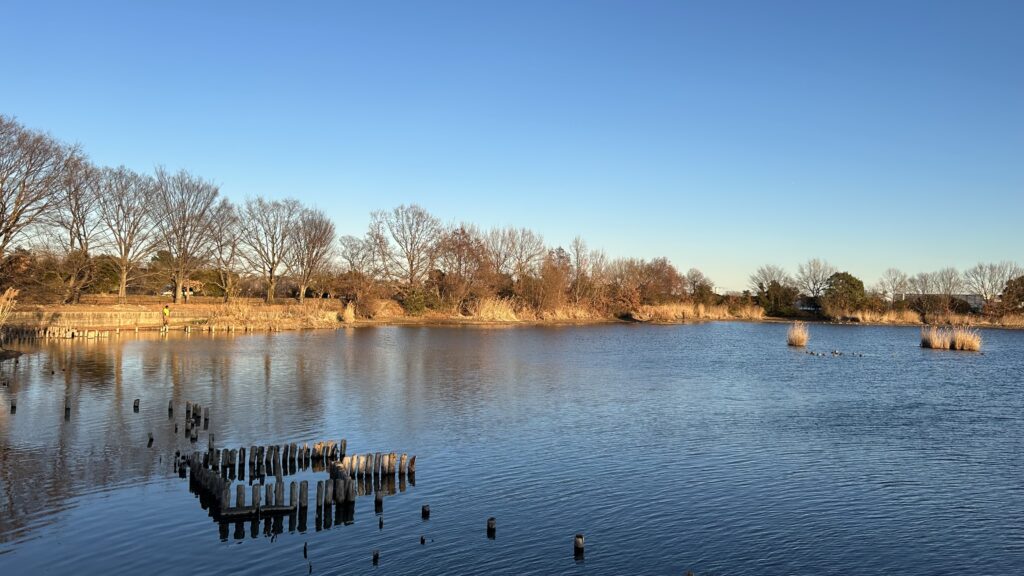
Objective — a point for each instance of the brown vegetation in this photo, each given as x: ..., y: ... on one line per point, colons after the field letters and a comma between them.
x: 688, y: 311
x: 951, y: 338
x: 798, y: 335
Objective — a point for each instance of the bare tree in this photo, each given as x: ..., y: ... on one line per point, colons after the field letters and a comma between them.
x: 267, y: 229
x: 413, y: 233
x: 73, y: 224
x: 948, y: 282
x: 499, y: 243
x: 31, y: 165
x: 125, y: 206
x: 462, y: 262
x: 184, y: 206
x: 312, y: 238
x: 360, y: 266
x: 988, y: 280
x: 579, y: 281
x: 761, y: 279
x: 894, y: 282
x: 225, y: 235
x: 812, y: 277
x: 528, y: 253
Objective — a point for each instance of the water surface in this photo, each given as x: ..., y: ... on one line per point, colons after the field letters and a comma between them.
x: 711, y: 447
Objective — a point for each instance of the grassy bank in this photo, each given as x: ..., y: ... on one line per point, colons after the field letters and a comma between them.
x: 290, y: 315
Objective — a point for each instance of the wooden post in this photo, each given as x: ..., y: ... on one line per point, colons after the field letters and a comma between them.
x: 256, y: 496
x: 577, y: 546
x: 319, y: 494
x: 269, y: 489
x: 170, y: 408
x: 293, y: 494
x: 304, y: 494
x: 240, y: 496
x: 378, y: 502
x: 135, y: 405
x: 403, y: 464
x: 425, y: 511
x: 14, y: 406
x: 67, y: 409
x: 328, y: 492
x: 376, y: 557
x: 492, y: 527
x: 412, y: 465
x: 339, y: 490
x: 150, y: 444
x: 350, y: 491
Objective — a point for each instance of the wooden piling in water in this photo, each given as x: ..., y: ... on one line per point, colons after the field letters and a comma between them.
x: 577, y: 545
x: 269, y: 497
x: 492, y: 527
x: 14, y: 406
x: 339, y: 490
x: 256, y: 496
x: 240, y: 496
x: 135, y: 405
x: 403, y: 464
x: 425, y: 512
x: 304, y: 494
x: 329, y: 492
x: 170, y: 408
x: 412, y: 465
x: 319, y: 494
x: 293, y: 494
x: 279, y: 494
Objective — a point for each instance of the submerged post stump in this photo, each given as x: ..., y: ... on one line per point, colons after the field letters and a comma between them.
x: 492, y: 527
x: 303, y: 494
x: 425, y: 512
x: 135, y: 405
x: 577, y: 546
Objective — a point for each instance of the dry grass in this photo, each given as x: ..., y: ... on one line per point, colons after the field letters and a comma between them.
x: 494, y: 310
x: 887, y: 317
x: 569, y: 313
x: 383, y: 309
x: 310, y: 314
x: 7, y: 302
x: 955, y: 338
x: 798, y: 335
x: 688, y: 311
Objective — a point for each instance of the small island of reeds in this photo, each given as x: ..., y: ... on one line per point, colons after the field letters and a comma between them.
x: 797, y: 335
x: 955, y: 338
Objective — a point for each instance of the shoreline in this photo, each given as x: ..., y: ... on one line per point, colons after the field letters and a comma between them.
x: 98, y: 321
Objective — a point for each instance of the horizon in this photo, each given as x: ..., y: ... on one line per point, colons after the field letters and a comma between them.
x: 722, y: 138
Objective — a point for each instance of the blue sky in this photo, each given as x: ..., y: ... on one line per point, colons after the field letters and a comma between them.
x: 723, y: 135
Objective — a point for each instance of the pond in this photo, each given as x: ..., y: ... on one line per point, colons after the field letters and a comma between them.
x: 708, y: 447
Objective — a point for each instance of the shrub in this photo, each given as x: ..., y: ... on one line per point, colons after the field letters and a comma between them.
x: 798, y: 334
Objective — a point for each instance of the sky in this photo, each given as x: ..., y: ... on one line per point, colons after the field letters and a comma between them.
x: 722, y: 135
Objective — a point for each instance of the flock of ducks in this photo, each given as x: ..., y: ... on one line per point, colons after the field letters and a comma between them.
x: 834, y: 353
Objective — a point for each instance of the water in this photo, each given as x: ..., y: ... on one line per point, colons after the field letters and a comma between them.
x: 712, y: 448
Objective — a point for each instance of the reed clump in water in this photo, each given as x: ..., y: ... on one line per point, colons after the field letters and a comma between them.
x: 798, y: 335
x: 955, y: 338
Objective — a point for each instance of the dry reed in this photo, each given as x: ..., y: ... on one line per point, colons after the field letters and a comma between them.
x: 688, y: 311
x: 494, y: 309
x: 954, y: 338
x: 798, y: 335
x: 7, y: 302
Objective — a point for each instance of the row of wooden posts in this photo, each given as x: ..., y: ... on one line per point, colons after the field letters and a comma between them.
x: 11, y: 333
x: 347, y: 481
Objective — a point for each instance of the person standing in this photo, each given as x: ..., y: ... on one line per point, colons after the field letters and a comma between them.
x: 167, y: 315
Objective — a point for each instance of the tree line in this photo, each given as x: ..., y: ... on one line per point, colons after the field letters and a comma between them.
x: 68, y: 228
x: 994, y: 288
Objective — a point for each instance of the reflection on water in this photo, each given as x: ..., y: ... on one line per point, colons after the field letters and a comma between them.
x: 709, y: 447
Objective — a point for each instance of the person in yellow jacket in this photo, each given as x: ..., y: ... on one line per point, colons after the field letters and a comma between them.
x: 167, y: 315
